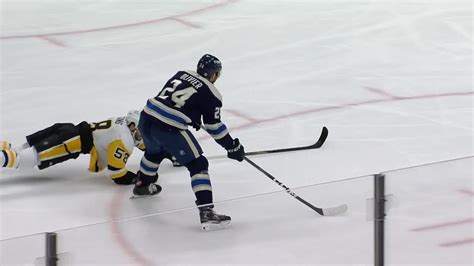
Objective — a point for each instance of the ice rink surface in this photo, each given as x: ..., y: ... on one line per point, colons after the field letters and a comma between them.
x: 392, y: 80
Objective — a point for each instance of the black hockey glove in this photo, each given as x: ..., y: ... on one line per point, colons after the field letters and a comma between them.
x: 196, y: 125
x: 236, y: 152
x: 128, y: 179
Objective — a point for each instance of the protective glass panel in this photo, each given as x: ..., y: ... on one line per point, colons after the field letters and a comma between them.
x: 273, y: 228
x: 430, y: 219
x: 27, y: 250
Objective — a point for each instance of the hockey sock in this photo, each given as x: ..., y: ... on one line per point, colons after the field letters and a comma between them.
x: 202, y: 188
x: 148, y: 167
x: 5, y: 145
x: 28, y: 158
x: 200, y: 181
x: 8, y: 158
x: 22, y: 147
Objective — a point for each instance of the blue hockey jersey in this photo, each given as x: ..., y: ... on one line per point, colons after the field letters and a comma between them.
x: 186, y: 99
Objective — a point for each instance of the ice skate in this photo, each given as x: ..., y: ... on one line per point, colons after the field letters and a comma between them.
x: 145, y: 191
x: 210, y: 220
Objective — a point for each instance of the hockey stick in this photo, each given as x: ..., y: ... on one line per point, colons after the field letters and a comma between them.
x: 322, y: 138
x: 323, y: 211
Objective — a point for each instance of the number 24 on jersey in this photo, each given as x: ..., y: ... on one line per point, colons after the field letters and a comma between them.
x: 178, y: 96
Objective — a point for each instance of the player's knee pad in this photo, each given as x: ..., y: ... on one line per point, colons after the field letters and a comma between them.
x: 198, y: 165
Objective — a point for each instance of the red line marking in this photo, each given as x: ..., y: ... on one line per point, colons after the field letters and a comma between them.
x: 437, y: 226
x: 457, y: 243
x: 342, y: 106
x: 114, y: 209
x: 467, y: 192
x: 241, y: 115
x: 173, y: 17
x: 52, y: 41
x: 382, y: 92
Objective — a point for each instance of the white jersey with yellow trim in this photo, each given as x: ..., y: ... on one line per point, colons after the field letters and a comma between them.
x: 113, y: 144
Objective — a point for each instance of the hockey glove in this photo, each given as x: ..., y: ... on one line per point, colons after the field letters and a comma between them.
x: 128, y: 179
x: 236, y: 152
x: 196, y: 125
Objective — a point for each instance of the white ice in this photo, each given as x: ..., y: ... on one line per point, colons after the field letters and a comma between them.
x: 392, y: 80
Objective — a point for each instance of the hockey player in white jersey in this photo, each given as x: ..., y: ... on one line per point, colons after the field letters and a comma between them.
x: 109, y: 143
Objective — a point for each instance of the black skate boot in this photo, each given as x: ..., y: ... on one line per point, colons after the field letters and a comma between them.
x: 210, y: 220
x: 145, y: 186
x: 140, y: 191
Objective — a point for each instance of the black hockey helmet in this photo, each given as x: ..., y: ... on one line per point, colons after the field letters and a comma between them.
x: 208, y: 65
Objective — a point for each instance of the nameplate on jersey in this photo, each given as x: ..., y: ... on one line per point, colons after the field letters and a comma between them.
x: 195, y: 82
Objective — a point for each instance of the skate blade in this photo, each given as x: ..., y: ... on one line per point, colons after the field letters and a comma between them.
x: 214, y: 226
x: 144, y: 196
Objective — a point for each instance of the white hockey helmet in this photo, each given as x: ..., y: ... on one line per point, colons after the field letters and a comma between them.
x: 133, y: 116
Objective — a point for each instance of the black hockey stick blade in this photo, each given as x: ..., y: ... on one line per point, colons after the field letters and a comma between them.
x: 318, y: 144
x: 322, y: 138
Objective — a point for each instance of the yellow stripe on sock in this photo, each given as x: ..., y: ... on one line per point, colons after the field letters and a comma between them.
x: 5, y: 145
x: 12, y: 158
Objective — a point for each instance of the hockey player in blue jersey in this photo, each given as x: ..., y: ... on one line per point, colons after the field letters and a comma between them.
x: 186, y: 99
